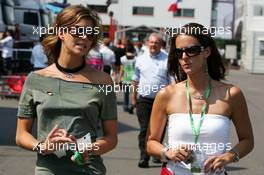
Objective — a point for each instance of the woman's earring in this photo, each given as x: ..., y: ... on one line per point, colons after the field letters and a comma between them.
x: 205, y: 67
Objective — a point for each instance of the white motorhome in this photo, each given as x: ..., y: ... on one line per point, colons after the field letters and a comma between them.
x: 2, y: 25
x: 27, y: 14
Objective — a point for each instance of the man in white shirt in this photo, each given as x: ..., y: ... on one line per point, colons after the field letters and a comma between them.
x: 6, y: 44
x: 108, y: 55
x: 38, y: 58
x: 150, y: 75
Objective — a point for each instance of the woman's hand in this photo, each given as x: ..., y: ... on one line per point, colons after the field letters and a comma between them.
x: 180, y: 154
x: 80, y: 158
x: 217, y: 163
x: 56, y: 139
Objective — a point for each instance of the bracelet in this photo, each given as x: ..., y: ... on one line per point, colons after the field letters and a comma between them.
x: 235, y: 153
x: 163, y: 156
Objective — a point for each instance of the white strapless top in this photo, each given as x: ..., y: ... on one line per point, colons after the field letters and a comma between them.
x: 213, y: 139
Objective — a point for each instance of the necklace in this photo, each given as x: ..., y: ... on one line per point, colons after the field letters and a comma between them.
x: 69, y: 71
x: 198, y: 97
x: 196, y: 130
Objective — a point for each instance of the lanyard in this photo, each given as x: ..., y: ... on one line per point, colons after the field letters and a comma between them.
x: 196, y: 132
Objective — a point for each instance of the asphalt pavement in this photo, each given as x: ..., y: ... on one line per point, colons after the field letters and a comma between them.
x: 123, y: 160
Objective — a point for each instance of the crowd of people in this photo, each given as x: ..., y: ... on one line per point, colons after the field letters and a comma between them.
x: 179, y: 91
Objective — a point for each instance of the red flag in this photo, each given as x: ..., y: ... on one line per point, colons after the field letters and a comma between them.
x: 173, y: 6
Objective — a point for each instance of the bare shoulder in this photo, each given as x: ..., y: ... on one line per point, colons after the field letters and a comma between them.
x: 220, y: 84
x: 237, y: 98
x: 105, y: 78
x: 47, y: 71
x: 99, y: 77
x: 167, y: 92
x: 179, y: 88
x: 232, y: 93
x: 232, y: 89
x: 235, y: 92
x: 163, y: 95
x: 181, y: 85
x: 175, y: 89
x: 237, y: 102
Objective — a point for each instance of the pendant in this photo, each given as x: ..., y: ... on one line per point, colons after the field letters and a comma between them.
x: 69, y: 75
x: 198, y: 97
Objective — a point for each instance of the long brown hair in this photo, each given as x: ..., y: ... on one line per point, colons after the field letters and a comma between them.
x: 216, y: 68
x: 66, y: 18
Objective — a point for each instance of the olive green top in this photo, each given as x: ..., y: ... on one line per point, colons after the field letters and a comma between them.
x: 76, y: 107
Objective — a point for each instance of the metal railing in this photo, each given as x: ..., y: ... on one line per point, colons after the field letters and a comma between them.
x: 21, y: 60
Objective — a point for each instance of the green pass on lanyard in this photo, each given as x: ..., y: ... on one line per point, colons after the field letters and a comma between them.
x: 198, y: 156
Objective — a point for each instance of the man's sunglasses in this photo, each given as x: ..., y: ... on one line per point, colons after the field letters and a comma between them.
x: 189, y: 51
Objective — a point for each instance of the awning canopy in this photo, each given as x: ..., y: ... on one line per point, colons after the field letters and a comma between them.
x: 55, y: 7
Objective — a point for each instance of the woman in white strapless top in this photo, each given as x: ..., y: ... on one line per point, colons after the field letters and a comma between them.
x: 198, y: 110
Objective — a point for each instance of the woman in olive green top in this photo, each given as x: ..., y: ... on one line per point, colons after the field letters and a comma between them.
x: 69, y: 99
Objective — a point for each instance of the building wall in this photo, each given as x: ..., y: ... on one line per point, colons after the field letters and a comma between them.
x: 258, y: 61
x: 247, y: 54
x: 255, y: 23
x: 161, y: 18
x: 239, y: 12
x: 253, y: 33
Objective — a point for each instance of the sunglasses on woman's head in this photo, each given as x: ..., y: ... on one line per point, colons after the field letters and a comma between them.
x: 189, y: 51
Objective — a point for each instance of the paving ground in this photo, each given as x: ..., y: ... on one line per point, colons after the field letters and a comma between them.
x: 123, y: 160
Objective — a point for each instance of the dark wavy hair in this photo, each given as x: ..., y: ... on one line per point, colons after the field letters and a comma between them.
x: 216, y: 69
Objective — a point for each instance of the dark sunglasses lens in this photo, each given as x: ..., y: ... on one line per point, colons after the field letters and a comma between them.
x: 81, y: 35
x: 90, y: 36
x: 194, y: 50
x: 76, y: 31
x: 179, y: 53
x: 73, y: 33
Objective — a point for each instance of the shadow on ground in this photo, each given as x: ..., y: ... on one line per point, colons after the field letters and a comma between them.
x: 230, y: 168
x: 7, y: 125
x: 122, y: 127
